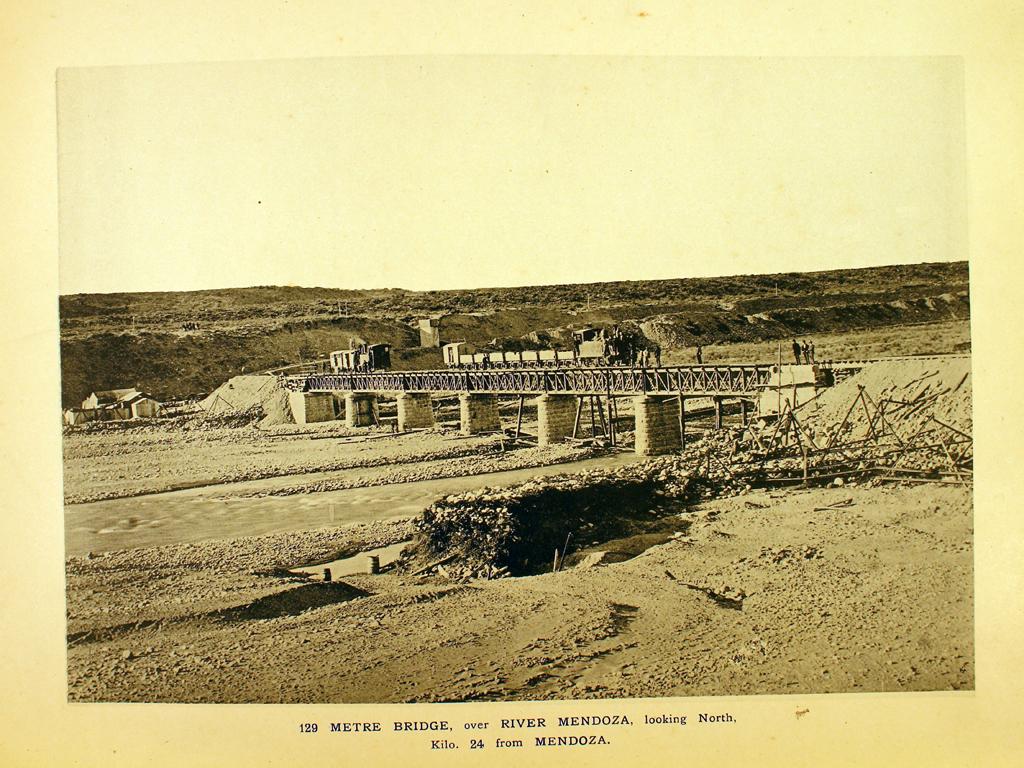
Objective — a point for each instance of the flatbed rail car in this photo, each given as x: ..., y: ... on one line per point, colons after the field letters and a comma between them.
x: 591, y: 346
x: 463, y: 355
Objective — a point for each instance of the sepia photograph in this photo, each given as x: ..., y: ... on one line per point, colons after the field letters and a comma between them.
x: 428, y: 379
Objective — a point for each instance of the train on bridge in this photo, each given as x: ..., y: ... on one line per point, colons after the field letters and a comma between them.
x: 590, y: 347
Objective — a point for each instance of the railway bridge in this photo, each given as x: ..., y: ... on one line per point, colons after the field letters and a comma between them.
x: 658, y: 396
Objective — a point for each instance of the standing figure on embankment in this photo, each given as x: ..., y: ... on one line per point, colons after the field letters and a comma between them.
x: 796, y: 351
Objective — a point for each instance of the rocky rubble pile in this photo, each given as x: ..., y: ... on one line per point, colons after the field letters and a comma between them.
x: 712, y: 462
x: 495, y: 532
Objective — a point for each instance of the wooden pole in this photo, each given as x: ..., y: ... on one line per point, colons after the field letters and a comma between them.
x: 880, y: 413
x: 576, y: 422
x: 803, y: 451
x: 954, y: 429
x: 952, y: 463
x: 867, y: 412
x: 611, y: 423
x: 799, y: 431
x: 682, y: 421
x: 718, y: 412
x: 778, y: 409
x: 519, y: 416
x: 899, y: 458
x: 593, y: 425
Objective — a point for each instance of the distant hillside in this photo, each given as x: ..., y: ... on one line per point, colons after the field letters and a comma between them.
x: 147, y: 340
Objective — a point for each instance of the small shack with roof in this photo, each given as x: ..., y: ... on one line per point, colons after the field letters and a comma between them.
x: 116, y: 405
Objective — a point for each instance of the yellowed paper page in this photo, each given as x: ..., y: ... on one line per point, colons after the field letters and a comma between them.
x: 620, y: 153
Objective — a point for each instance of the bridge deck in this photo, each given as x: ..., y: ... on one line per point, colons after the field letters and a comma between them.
x: 615, y: 380
x: 690, y: 380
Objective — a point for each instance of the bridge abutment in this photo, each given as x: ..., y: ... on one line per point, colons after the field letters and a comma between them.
x: 414, y: 411
x: 478, y: 413
x: 360, y: 409
x: 657, y: 424
x: 310, y: 407
x: 790, y: 386
x: 556, y: 415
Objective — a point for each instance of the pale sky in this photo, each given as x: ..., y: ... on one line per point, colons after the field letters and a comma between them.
x: 460, y: 172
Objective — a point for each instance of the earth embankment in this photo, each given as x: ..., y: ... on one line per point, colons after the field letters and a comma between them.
x: 173, y: 345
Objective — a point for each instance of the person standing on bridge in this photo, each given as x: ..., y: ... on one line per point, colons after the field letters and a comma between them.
x: 700, y: 355
x: 810, y: 351
x: 807, y: 353
x: 657, y: 355
x: 796, y: 351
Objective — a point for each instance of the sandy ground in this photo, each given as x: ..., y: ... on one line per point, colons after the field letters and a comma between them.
x: 872, y: 596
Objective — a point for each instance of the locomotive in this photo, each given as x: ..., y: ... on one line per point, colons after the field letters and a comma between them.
x: 365, y: 357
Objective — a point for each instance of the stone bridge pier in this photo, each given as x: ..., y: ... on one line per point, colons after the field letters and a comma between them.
x: 414, y: 411
x: 360, y: 409
x: 311, y: 407
x: 478, y: 413
x: 657, y: 425
x: 556, y: 415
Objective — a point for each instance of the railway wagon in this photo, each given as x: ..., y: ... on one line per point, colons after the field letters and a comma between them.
x: 457, y: 353
x: 590, y: 346
x: 457, y: 356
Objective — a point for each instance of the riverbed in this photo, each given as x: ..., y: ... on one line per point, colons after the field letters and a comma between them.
x: 208, y: 513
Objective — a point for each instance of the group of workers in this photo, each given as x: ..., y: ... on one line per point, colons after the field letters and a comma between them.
x: 625, y: 349
x: 803, y: 353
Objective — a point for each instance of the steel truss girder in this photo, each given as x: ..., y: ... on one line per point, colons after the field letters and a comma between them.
x: 693, y: 380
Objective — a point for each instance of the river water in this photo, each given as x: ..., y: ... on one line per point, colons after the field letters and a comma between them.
x: 208, y: 513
